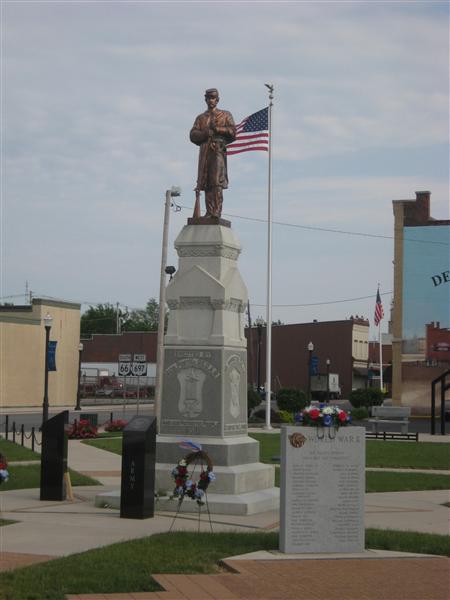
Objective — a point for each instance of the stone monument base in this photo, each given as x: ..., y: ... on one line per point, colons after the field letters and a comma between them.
x: 251, y: 503
x: 243, y: 485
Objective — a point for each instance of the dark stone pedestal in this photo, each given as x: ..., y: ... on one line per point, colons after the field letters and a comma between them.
x: 137, y: 494
x: 208, y: 221
x: 54, y: 457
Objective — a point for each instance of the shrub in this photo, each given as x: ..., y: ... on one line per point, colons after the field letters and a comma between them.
x: 81, y: 429
x: 291, y: 400
x: 253, y: 400
x: 286, y: 417
x: 369, y: 397
x: 116, y: 425
x: 359, y: 413
x: 260, y: 416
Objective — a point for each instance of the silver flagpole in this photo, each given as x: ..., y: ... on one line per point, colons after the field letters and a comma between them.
x: 380, y: 348
x: 269, y: 271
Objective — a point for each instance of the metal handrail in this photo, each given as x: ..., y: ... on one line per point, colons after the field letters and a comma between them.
x: 441, y: 379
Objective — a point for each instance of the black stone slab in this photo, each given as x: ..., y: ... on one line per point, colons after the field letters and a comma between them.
x: 137, y: 494
x: 54, y: 457
x: 208, y: 221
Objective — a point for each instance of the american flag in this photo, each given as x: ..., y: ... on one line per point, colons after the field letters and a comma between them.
x: 379, y: 313
x: 252, y: 133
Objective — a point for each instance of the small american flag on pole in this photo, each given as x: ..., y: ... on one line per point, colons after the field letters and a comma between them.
x: 379, y: 313
x: 252, y: 133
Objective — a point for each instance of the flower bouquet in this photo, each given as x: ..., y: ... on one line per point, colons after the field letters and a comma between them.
x: 4, y: 475
x: 323, y: 416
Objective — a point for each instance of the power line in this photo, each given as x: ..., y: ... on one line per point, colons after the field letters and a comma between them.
x: 325, y: 229
x: 322, y: 303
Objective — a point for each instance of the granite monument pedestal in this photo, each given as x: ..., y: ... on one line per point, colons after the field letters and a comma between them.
x: 204, y: 388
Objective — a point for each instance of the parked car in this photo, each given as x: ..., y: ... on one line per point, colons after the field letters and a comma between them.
x: 105, y: 392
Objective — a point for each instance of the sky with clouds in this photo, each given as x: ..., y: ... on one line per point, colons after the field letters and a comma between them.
x: 97, y: 102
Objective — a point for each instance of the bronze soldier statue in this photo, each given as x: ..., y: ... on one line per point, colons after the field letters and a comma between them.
x: 212, y: 131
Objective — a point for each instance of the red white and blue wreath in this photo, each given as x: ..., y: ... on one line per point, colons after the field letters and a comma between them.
x: 185, y: 485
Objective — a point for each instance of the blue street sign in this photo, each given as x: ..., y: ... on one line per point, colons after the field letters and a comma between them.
x: 314, y: 365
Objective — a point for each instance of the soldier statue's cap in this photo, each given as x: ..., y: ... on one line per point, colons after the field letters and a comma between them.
x: 211, y: 91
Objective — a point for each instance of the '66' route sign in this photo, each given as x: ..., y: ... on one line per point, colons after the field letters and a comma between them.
x: 135, y: 366
x: 124, y: 365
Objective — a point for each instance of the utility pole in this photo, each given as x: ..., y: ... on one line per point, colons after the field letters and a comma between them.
x: 117, y: 319
x: 174, y: 191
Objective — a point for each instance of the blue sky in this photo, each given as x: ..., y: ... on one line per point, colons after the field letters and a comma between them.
x: 97, y: 102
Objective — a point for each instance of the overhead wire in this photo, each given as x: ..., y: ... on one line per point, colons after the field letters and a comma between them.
x: 324, y: 229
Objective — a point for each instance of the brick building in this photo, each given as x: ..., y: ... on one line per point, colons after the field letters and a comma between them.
x: 345, y: 343
x: 437, y: 344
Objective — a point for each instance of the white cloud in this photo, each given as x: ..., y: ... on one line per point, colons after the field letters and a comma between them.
x: 99, y: 98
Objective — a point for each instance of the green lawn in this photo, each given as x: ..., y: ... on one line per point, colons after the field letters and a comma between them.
x: 113, y: 444
x: 408, y: 455
x: 4, y: 522
x: 391, y: 481
x: 128, y: 566
x: 15, y: 452
x: 22, y: 477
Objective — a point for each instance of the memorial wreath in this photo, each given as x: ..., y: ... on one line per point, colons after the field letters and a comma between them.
x: 185, y: 485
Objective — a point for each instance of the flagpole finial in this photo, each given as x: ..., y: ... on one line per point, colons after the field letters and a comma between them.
x: 270, y: 87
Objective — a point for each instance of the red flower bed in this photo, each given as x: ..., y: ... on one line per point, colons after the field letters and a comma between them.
x: 116, y: 425
x: 81, y: 430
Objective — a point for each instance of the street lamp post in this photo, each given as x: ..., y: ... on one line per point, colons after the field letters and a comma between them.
x: 258, y: 364
x: 80, y: 350
x: 310, y: 351
x: 48, y: 325
x: 173, y: 192
x: 328, y: 379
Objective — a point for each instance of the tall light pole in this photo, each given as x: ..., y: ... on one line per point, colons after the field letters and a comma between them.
x: 258, y: 364
x: 48, y: 320
x: 328, y: 379
x: 80, y: 350
x: 310, y: 351
x: 173, y: 192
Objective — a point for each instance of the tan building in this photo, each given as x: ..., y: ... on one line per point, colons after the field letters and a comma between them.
x: 22, y: 354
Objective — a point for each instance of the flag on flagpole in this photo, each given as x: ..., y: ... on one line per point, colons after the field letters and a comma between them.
x: 379, y: 313
x: 252, y: 133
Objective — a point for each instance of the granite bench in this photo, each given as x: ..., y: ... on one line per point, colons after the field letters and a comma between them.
x: 398, y: 415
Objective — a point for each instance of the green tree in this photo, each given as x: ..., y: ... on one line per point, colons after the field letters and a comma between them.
x: 99, y: 319
x: 145, y: 319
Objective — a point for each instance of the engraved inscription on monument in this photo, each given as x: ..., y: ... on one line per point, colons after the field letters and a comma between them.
x: 235, y: 392
x: 192, y: 379
x: 322, y: 490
